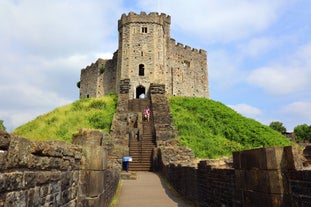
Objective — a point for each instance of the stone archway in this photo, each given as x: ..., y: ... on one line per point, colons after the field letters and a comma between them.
x: 139, y: 90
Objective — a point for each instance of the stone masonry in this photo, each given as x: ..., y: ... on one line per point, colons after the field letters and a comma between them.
x: 270, y: 177
x: 147, y: 55
x: 55, y: 173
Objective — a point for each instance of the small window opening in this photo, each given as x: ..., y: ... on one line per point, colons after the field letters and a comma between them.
x: 186, y: 63
x: 142, y: 53
x: 141, y: 71
x: 144, y: 29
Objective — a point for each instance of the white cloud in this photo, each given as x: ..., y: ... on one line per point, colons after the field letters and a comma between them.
x: 291, y: 75
x: 300, y: 109
x: 295, y: 113
x: 258, y: 46
x: 280, y: 81
x: 220, y: 20
x: 57, y: 27
x: 246, y: 110
x: 23, y: 102
x: 224, y: 69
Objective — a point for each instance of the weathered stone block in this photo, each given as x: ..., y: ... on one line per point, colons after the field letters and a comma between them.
x: 15, y: 198
x: 33, y: 197
x: 264, y: 181
x: 94, y: 158
x: 44, y: 191
x: 4, y: 140
x: 55, y: 187
x: 88, y: 137
x: 2, y: 199
x: 262, y: 158
x: 92, y: 183
x: 30, y: 179
x: 14, y: 181
x: 3, y: 158
x: 256, y: 199
x: 19, y: 153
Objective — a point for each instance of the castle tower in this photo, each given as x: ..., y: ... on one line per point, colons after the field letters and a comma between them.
x: 143, y: 41
x: 147, y: 55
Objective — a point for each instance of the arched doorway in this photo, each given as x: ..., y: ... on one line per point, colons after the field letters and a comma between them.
x: 139, y: 90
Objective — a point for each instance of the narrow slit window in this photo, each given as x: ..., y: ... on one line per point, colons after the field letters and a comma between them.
x: 141, y: 71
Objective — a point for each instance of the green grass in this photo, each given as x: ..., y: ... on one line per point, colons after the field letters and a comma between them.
x: 61, y: 123
x: 208, y: 127
x: 214, y: 130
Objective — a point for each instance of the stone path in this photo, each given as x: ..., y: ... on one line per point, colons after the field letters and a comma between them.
x: 148, y: 190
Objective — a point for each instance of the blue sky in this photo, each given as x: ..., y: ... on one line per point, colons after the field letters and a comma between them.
x: 259, y: 52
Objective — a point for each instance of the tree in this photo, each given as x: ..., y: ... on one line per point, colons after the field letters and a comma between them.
x: 302, y: 132
x: 278, y: 126
x: 2, y: 127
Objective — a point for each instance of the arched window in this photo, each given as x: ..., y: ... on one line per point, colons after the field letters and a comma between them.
x: 141, y: 71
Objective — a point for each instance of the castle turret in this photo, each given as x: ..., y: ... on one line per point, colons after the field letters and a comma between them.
x: 143, y: 41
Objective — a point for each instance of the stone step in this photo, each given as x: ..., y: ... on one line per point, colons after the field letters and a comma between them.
x: 141, y: 151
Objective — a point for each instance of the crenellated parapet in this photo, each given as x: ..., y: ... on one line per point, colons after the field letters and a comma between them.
x: 151, y: 18
x: 186, y: 48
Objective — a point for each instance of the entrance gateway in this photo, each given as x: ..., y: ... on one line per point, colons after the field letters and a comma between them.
x: 140, y: 90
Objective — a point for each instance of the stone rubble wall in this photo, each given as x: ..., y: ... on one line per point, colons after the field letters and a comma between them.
x: 54, y: 173
x: 188, y: 71
x: 162, y: 118
x: 270, y: 177
x: 99, y: 78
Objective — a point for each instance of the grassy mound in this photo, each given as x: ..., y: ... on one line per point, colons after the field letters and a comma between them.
x: 214, y: 130
x: 208, y: 127
x: 61, y: 123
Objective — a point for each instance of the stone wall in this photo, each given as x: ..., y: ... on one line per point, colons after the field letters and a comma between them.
x: 187, y: 69
x: 54, y: 173
x: 267, y: 177
x: 160, y: 109
x: 299, y: 183
x: 99, y: 78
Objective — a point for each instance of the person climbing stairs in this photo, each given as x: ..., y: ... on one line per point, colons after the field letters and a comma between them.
x: 141, y: 149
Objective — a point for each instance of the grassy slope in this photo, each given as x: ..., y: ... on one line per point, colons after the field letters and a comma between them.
x: 210, y: 128
x: 213, y: 130
x: 62, y: 122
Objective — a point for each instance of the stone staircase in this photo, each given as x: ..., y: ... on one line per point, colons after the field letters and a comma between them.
x: 141, y: 150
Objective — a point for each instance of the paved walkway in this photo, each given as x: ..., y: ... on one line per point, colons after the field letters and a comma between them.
x: 148, y: 190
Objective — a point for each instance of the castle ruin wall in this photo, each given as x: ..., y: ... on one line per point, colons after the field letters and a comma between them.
x: 270, y: 177
x: 188, y: 68
x: 56, y: 173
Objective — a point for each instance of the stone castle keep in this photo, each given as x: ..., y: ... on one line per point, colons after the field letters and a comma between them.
x: 147, y: 55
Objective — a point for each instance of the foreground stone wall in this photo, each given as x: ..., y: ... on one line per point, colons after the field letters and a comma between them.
x: 266, y: 177
x: 37, y: 173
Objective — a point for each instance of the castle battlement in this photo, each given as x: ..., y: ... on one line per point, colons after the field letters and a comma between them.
x: 180, y: 46
x: 152, y: 17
